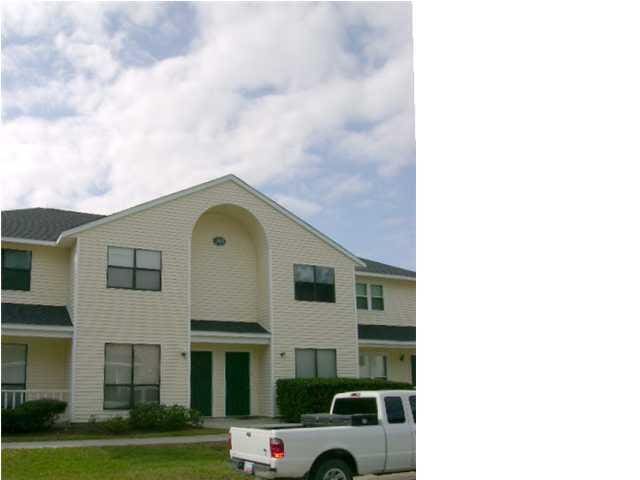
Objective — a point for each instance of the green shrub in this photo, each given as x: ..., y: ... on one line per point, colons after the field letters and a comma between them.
x: 115, y: 425
x: 148, y: 416
x: 297, y: 396
x: 32, y: 416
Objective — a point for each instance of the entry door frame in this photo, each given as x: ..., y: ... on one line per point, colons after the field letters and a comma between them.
x: 211, y: 383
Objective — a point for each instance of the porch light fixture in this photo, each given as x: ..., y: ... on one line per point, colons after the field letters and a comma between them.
x: 402, y: 357
x: 219, y: 241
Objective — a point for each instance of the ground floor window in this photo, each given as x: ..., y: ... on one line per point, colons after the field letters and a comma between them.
x: 315, y: 363
x: 14, y: 371
x: 131, y: 375
x: 373, y: 366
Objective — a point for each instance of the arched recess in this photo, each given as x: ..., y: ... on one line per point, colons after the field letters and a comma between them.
x: 229, y: 281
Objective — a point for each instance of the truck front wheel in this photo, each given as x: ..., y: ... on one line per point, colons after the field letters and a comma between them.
x: 333, y: 469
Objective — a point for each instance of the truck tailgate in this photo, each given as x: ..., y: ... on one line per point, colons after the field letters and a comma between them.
x: 251, y: 444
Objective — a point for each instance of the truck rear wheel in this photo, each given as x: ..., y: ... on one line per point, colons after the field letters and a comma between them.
x: 333, y: 469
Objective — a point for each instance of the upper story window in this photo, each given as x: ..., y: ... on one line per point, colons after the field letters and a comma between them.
x: 377, y: 297
x: 16, y: 269
x: 134, y: 268
x: 314, y: 284
x: 362, y: 299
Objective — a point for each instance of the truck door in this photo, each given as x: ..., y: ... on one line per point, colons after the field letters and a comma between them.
x: 400, y: 441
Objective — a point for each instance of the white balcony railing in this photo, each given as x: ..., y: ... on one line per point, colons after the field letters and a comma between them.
x: 13, y: 398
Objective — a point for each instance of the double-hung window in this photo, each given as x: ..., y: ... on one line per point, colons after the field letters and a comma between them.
x: 362, y: 299
x: 14, y: 372
x: 315, y: 363
x: 131, y: 375
x: 134, y: 268
x: 16, y: 269
x: 373, y: 366
x: 377, y: 297
x: 314, y: 284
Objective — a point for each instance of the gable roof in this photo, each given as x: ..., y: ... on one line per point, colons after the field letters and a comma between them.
x: 44, y: 224
x: 44, y: 315
x: 382, y: 269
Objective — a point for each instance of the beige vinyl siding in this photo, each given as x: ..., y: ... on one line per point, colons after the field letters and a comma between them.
x: 73, y: 265
x: 399, y: 302
x: 49, y: 276
x: 224, y: 278
x: 259, y: 384
x: 114, y: 315
x: 397, y: 370
x: 48, y: 361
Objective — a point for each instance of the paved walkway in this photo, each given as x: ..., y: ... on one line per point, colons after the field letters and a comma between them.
x: 116, y: 442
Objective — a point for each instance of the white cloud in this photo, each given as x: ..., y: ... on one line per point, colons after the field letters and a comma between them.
x: 149, y: 131
x: 299, y: 206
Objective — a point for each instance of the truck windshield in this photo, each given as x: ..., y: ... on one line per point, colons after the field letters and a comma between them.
x: 350, y: 406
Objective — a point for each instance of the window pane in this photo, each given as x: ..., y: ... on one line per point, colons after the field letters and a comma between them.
x: 351, y: 406
x: 362, y: 303
x: 303, y: 273
x: 17, y: 259
x: 395, y: 410
x: 376, y: 290
x: 14, y: 364
x: 361, y: 289
x: 364, y: 366
x: 325, y: 293
x: 117, y: 362
x: 146, y: 364
x: 16, y: 279
x: 325, y: 275
x: 146, y: 394
x: 304, y: 291
x: 117, y: 397
x: 120, y: 257
x: 120, y: 277
x: 148, y: 279
x: 327, y: 364
x: 305, y: 363
x: 379, y: 366
x: 148, y: 259
x: 377, y: 304
x: 412, y: 403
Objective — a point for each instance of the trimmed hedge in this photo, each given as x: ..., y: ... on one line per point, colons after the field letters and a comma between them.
x: 297, y: 396
x: 149, y: 416
x: 32, y: 416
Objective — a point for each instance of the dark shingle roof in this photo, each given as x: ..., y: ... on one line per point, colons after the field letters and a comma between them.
x: 45, y: 315
x: 48, y: 223
x: 384, y: 269
x: 386, y: 332
x: 42, y: 223
x: 226, y: 327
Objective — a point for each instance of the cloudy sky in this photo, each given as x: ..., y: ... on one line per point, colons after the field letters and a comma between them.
x: 107, y: 105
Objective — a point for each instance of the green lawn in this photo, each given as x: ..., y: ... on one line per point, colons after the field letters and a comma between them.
x: 82, y: 432
x: 175, y: 462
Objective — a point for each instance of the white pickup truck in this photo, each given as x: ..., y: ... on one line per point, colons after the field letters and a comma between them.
x: 380, y: 437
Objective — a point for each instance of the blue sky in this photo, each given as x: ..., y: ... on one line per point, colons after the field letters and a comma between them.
x: 106, y: 105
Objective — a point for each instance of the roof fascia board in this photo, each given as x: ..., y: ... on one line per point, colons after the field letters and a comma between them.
x: 20, y: 330
x: 386, y: 343
x: 203, y: 186
x: 385, y: 275
x: 213, y: 333
x: 197, y: 338
x: 29, y: 241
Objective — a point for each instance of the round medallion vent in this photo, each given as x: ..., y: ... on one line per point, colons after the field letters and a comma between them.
x: 219, y: 241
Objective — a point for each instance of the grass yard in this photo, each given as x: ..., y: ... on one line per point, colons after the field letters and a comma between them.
x: 82, y: 432
x: 192, y: 462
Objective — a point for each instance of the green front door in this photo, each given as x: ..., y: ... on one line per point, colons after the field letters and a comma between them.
x: 238, y: 400
x: 413, y: 369
x: 201, y: 365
